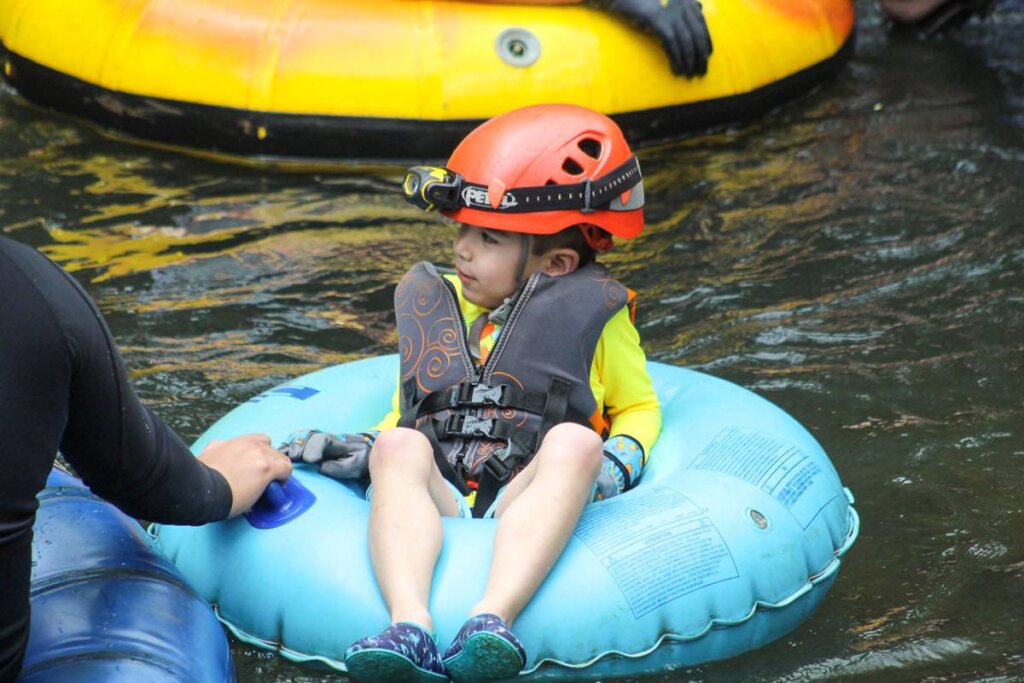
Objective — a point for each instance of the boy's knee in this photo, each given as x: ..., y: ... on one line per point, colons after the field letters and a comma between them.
x: 400, y: 446
x: 576, y: 446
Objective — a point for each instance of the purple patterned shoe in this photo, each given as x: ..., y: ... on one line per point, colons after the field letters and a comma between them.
x: 484, y: 650
x: 403, y: 652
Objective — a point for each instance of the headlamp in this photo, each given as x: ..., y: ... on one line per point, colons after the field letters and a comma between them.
x: 432, y: 187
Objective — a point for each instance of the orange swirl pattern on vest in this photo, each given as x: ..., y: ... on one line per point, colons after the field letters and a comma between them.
x: 441, y: 345
x: 425, y: 352
x: 410, y: 348
x: 614, y: 293
x: 428, y: 297
x: 516, y: 417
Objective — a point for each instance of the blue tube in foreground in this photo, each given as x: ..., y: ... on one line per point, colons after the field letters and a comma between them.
x: 107, y: 606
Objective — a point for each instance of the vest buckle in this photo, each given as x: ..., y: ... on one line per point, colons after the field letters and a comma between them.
x: 484, y: 394
x: 468, y: 426
x: 469, y: 394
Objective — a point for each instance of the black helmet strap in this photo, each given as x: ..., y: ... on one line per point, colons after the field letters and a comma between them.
x: 439, y: 188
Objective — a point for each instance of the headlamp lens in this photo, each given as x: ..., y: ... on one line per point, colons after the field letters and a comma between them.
x: 431, y: 187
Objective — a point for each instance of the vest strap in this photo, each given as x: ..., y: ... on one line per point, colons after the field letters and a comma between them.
x: 430, y: 429
x: 409, y: 413
x: 499, y: 468
x: 522, y: 445
x: 470, y: 394
x: 468, y: 426
x: 555, y: 405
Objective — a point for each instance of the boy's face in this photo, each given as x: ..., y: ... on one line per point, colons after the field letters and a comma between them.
x: 486, y: 261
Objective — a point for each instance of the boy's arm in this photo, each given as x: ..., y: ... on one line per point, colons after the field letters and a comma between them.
x: 621, y: 368
x: 620, y: 378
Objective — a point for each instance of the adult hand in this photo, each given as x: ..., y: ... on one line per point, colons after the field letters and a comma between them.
x: 341, y: 456
x: 249, y: 463
x: 678, y: 24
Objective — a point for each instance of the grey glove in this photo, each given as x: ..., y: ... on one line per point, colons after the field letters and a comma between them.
x: 341, y: 456
x: 678, y: 24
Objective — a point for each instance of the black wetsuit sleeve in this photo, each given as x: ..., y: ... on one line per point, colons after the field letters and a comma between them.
x: 123, y: 451
x: 63, y: 385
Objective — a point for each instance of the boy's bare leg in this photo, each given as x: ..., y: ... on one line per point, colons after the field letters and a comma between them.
x: 409, y: 497
x: 536, y: 515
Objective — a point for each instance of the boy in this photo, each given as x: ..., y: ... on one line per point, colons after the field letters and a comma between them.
x: 514, y: 368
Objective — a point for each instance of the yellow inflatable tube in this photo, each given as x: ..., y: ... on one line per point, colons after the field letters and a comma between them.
x: 390, y: 79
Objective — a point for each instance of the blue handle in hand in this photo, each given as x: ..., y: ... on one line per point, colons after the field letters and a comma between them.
x: 280, y: 503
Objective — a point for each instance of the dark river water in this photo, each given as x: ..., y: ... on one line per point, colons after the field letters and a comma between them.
x: 856, y: 257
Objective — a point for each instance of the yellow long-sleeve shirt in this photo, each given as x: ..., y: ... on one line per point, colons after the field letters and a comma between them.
x: 618, y: 378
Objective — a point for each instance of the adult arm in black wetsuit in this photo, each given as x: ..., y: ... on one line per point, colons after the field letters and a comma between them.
x: 63, y: 386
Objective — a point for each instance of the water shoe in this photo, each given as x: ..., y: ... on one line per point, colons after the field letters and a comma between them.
x: 484, y: 650
x: 403, y: 652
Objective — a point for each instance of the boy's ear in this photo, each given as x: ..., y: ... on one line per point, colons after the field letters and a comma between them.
x: 561, y: 261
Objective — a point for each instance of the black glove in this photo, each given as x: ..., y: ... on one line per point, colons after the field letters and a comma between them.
x: 678, y: 24
x: 341, y: 456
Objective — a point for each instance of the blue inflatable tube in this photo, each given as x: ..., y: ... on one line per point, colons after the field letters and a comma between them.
x: 107, y: 607
x: 731, y: 539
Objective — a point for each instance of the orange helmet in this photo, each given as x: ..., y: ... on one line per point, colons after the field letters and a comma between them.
x: 538, y: 170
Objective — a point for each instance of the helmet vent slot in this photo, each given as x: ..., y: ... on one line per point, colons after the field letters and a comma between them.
x: 590, y: 147
x: 571, y: 167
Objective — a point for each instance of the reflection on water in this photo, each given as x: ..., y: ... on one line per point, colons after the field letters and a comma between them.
x: 857, y: 257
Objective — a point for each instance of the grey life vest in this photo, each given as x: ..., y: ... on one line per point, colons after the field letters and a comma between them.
x: 485, y: 422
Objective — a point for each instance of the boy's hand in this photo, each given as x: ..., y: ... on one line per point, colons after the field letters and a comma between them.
x: 341, y: 456
x: 623, y: 462
x: 678, y: 24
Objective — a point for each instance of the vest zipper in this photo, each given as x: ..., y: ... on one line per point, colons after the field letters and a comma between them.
x: 506, y: 329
